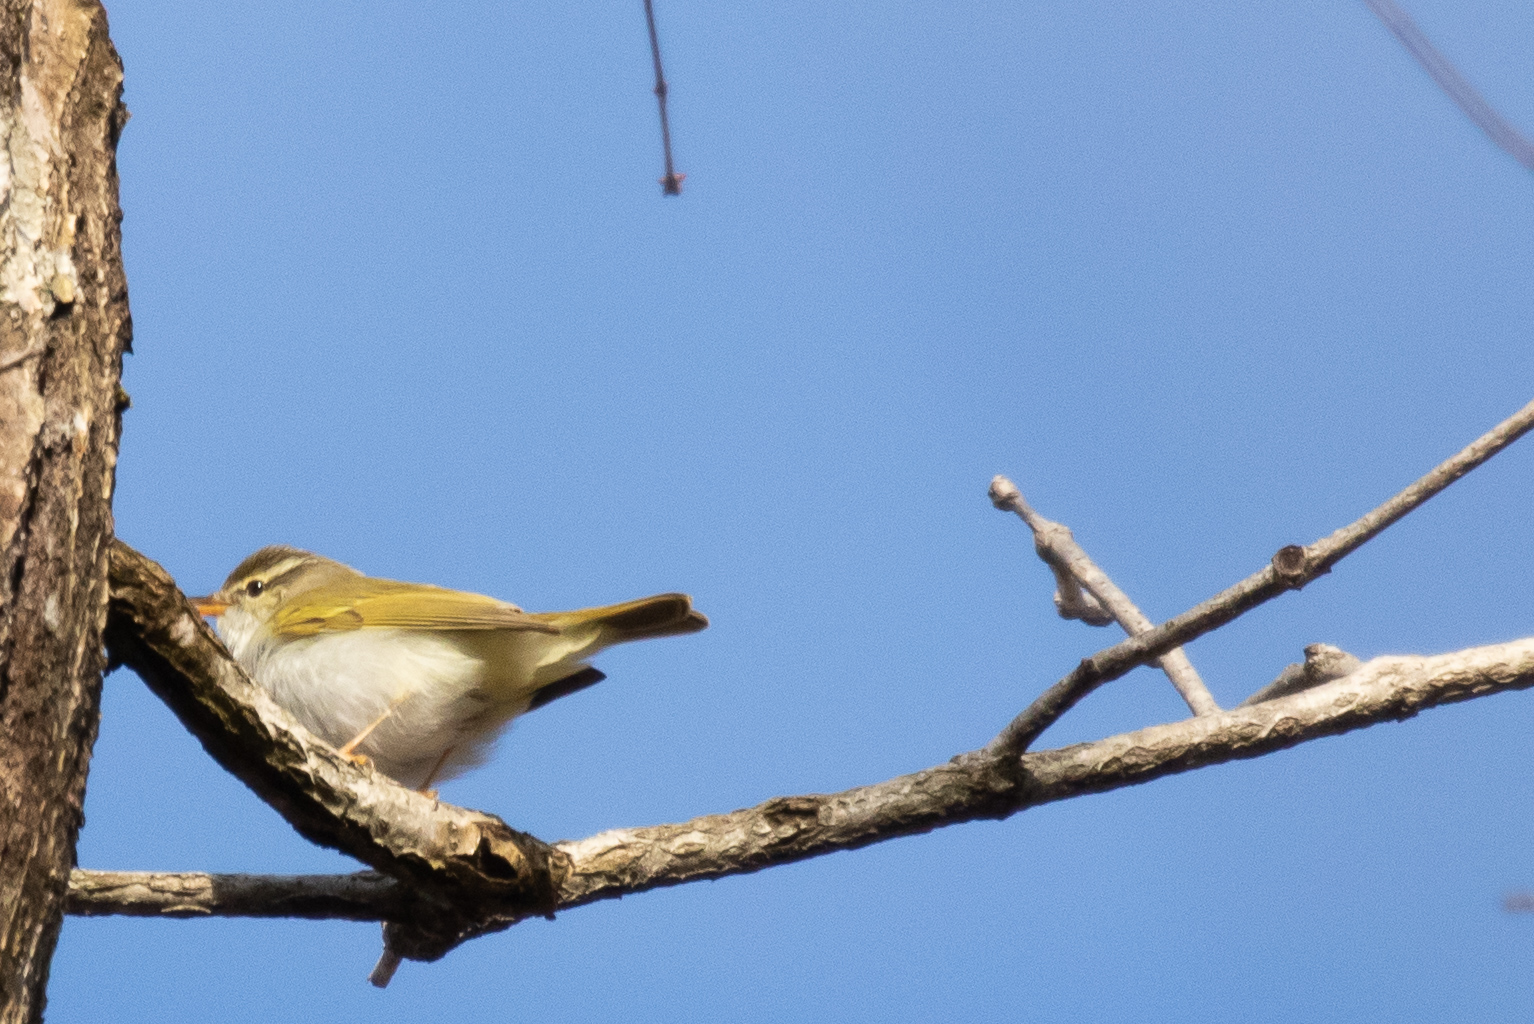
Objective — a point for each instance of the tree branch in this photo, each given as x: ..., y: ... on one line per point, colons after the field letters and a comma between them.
x: 363, y: 896
x: 1290, y: 569
x: 1074, y: 569
x: 671, y: 182
x: 972, y: 786
x: 1482, y: 114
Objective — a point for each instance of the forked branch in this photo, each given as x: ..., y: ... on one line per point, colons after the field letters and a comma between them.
x: 1075, y: 570
x: 1290, y: 569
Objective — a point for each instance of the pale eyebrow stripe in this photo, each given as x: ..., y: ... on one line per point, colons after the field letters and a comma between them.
x: 285, y: 568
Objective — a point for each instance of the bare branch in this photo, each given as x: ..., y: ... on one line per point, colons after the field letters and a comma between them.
x: 972, y: 786
x: 671, y: 184
x: 980, y: 785
x: 466, y: 873
x: 1290, y: 569
x: 1482, y: 114
x: 463, y: 873
x: 364, y: 896
x: 1057, y: 546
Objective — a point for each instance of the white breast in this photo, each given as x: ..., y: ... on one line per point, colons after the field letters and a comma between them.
x: 337, y: 684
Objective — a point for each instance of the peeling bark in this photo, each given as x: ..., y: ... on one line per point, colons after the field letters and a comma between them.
x: 63, y: 329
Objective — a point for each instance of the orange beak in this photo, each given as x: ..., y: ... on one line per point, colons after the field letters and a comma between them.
x: 209, y: 606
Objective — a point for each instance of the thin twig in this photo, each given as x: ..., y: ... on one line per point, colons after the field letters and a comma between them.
x: 1057, y: 546
x: 388, y: 962
x: 671, y: 184
x: 1290, y: 569
x: 1485, y: 117
x: 972, y: 786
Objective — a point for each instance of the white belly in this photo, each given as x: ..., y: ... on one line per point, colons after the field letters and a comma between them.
x: 337, y: 684
x: 443, y: 697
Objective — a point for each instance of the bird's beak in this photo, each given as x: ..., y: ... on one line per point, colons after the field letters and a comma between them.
x: 209, y: 606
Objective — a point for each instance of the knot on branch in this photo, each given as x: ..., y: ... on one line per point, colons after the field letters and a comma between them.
x: 1291, y: 563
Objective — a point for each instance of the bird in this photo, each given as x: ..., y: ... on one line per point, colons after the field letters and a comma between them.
x: 418, y: 680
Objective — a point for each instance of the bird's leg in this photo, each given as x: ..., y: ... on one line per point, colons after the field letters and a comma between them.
x: 425, y: 787
x: 350, y: 750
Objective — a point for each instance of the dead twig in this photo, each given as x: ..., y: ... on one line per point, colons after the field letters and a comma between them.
x: 1290, y: 569
x: 1074, y: 570
x: 363, y: 896
x: 671, y: 184
x: 459, y: 874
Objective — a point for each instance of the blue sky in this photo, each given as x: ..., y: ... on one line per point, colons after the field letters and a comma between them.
x: 1204, y: 280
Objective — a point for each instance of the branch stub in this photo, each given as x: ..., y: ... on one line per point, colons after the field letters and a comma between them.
x: 1291, y: 562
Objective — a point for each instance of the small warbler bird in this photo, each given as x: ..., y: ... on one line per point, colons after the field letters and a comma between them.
x: 418, y: 679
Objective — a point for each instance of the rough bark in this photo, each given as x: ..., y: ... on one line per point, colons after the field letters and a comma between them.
x: 363, y: 896
x: 63, y: 329
x: 985, y: 785
x: 460, y: 873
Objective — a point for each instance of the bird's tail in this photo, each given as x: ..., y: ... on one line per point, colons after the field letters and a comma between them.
x: 648, y: 617
x: 562, y: 667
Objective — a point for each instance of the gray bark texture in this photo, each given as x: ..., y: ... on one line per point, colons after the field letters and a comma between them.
x: 63, y: 329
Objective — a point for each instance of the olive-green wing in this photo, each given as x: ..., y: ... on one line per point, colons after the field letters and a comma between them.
x: 364, y: 603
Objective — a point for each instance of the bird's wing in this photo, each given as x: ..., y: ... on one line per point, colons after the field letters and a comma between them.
x: 364, y: 603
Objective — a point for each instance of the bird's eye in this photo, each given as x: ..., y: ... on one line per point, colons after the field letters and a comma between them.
x: 254, y: 588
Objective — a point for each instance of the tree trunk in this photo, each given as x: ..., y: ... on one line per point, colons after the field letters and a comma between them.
x: 63, y: 329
